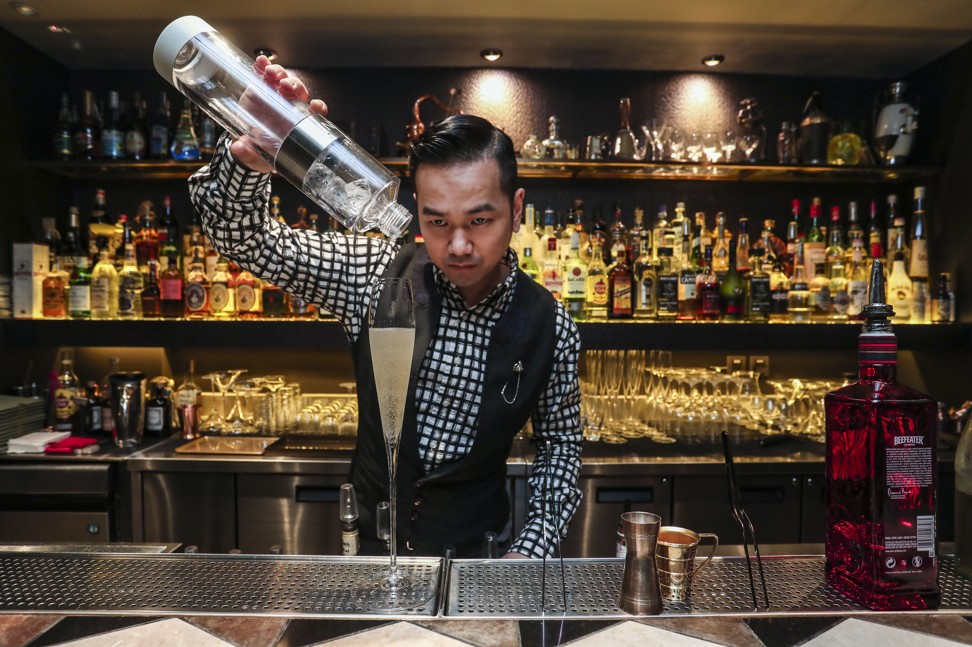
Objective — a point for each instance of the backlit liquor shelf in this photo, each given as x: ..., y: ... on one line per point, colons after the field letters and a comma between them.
x: 327, y: 334
x: 169, y: 169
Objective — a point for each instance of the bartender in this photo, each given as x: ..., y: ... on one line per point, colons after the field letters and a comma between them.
x: 497, y: 349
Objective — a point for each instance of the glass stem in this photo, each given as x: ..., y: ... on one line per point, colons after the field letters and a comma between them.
x: 391, y: 451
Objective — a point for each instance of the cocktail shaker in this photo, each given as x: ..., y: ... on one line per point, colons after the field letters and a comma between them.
x: 640, y: 593
x: 127, y: 407
x: 305, y: 148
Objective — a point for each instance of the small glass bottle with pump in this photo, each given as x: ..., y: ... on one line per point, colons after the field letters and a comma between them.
x: 350, y: 538
x: 304, y: 148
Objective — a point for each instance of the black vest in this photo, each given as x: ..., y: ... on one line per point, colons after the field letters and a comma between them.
x: 458, y: 502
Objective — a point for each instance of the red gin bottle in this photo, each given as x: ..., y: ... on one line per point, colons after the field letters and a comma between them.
x: 881, y: 477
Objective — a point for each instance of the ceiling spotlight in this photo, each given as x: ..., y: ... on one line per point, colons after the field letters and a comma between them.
x: 265, y: 51
x: 491, y: 54
x: 58, y: 29
x: 713, y: 60
x: 23, y: 9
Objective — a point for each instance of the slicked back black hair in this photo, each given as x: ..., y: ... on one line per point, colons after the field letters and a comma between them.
x: 459, y: 139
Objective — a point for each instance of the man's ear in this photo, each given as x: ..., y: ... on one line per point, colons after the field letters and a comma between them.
x: 518, y: 208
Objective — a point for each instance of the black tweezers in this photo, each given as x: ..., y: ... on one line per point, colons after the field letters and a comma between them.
x: 745, y: 525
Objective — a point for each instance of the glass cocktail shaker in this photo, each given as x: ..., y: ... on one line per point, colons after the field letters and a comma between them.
x: 305, y: 148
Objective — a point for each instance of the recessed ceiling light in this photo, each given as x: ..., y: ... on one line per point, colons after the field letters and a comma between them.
x: 58, y: 29
x: 23, y: 9
x: 713, y: 60
x: 265, y: 51
x: 492, y: 54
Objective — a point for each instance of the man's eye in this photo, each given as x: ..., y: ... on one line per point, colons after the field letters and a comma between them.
x: 480, y: 221
x: 437, y: 222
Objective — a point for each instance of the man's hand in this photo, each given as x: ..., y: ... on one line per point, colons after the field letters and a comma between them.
x: 512, y: 555
x: 290, y: 88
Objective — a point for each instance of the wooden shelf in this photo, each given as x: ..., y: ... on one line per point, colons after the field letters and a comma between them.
x: 327, y: 334
x: 669, y: 171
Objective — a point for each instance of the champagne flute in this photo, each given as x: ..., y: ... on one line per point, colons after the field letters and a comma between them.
x: 391, y: 335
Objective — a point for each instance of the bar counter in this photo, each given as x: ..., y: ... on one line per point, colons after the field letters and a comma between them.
x: 124, y: 599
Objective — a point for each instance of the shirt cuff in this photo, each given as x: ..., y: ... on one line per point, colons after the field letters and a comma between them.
x: 238, y: 181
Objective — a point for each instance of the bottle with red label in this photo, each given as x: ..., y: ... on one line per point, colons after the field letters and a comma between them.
x: 66, y: 414
x: 881, y: 469
x: 620, y: 303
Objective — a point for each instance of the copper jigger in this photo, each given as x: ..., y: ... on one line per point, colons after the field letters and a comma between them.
x: 675, y: 560
x: 640, y: 594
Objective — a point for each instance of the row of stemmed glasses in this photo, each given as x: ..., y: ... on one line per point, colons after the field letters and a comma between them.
x: 668, y: 143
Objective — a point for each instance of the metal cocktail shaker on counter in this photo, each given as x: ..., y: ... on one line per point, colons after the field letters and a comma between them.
x: 126, y: 394
x: 640, y: 592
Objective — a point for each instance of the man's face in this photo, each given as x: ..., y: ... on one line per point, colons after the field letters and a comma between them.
x: 467, y: 221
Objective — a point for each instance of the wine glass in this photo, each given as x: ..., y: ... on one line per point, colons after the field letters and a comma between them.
x: 221, y: 381
x: 391, y: 335
x: 748, y: 143
x: 711, y: 147
x: 728, y: 144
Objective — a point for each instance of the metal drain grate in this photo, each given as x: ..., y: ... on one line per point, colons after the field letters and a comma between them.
x: 496, y: 589
x: 195, y: 584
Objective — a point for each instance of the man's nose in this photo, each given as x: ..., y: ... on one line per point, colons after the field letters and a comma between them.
x: 459, y: 243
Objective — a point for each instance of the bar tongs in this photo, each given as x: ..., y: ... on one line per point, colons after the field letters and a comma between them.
x: 745, y: 526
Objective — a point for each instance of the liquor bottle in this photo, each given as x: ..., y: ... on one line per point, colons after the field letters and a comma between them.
x: 943, y: 303
x: 130, y: 285
x: 273, y: 300
x: 107, y: 419
x: 66, y: 414
x: 299, y: 307
x: 549, y: 241
x: 720, y: 247
x: 550, y: 270
x: 855, y: 232
x: 839, y: 292
x: 54, y: 294
x: 663, y: 235
x: 185, y: 146
x: 678, y: 219
x: 151, y: 296
x: 857, y: 281
x: 564, y: 235
x: 51, y: 238
x: 585, y: 238
x: 222, y: 292
x: 159, y: 138
x: 620, y: 304
x: 99, y: 229
x: 688, y: 303
x: 799, y: 304
x: 900, y: 294
x: 527, y: 236
x: 875, y: 234
x: 701, y: 237
x: 899, y: 243
x: 918, y: 267
x: 147, y: 237
x: 79, y: 291
x: 698, y: 250
x: 207, y: 135
x: 732, y: 290
x: 575, y: 280
x: 169, y: 239
x: 758, y: 298
x: 635, y: 235
x: 188, y: 398
x: 889, y: 229
x: 820, y: 298
x: 794, y: 235
x: 742, y: 263
x: 771, y: 246
x: 553, y: 145
x: 779, y: 293
x: 112, y: 135
x: 136, y: 140
x: 92, y: 410
x: 87, y: 137
x: 158, y: 407
x: 645, y: 280
x: 248, y: 297
x: 71, y: 247
x: 529, y: 264
x: 350, y: 539
x: 707, y: 290
x: 596, y: 302
x: 64, y: 133
x: 814, y: 248
x: 835, y: 250
x: 171, y: 297
x: 197, y: 291
x: 881, y: 477
x: 104, y: 288
x: 195, y: 247
x: 618, y: 233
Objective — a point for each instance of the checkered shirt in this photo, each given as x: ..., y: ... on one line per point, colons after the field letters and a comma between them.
x: 335, y: 271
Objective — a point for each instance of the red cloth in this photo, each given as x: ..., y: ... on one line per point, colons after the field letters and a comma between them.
x: 69, y: 444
